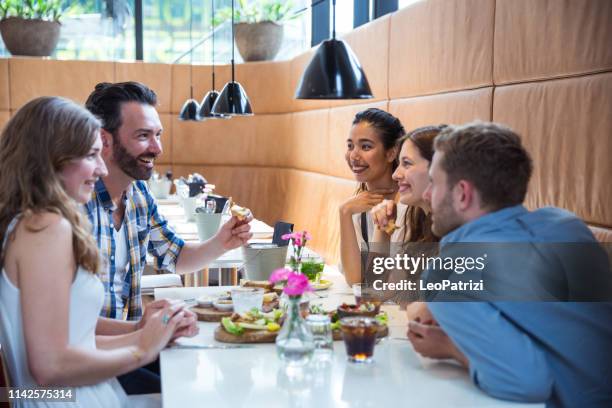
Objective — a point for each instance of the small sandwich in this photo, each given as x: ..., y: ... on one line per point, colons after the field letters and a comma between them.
x: 267, y: 286
x: 390, y: 227
x: 239, y: 212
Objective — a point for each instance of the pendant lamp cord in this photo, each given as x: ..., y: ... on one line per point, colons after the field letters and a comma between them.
x: 190, y: 55
x: 212, y: 25
x: 334, y: 20
x: 233, y: 45
x: 205, y: 38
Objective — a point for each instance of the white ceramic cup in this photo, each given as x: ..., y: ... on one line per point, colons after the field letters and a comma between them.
x: 208, y: 225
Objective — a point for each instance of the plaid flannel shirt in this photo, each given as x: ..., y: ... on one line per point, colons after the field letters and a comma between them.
x: 147, y: 230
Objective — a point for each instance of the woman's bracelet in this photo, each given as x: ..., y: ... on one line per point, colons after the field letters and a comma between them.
x: 138, y: 354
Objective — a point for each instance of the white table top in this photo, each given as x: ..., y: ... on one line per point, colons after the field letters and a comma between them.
x: 255, y: 377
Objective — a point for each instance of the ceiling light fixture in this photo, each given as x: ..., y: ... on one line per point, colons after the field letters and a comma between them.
x: 190, y: 108
x: 334, y: 72
x: 233, y: 100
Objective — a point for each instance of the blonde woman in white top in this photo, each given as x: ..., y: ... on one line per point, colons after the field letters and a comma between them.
x: 412, y: 178
x: 50, y: 296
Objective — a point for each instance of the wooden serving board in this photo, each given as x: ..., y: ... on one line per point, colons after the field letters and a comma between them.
x: 249, y: 336
x: 264, y: 336
x: 210, y: 314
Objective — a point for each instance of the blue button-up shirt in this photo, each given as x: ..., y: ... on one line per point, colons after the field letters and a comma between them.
x: 147, y: 231
x: 534, y: 351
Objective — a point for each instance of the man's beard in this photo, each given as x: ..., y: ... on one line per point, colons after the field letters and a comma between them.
x: 445, y: 219
x: 130, y: 164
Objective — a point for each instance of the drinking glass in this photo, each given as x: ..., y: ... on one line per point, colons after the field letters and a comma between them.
x: 245, y: 299
x: 359, y: 334
x: 320, y: 327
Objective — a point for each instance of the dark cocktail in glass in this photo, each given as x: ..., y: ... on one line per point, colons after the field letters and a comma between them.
x: 359, y: 335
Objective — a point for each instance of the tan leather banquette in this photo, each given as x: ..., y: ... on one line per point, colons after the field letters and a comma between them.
x: 542, y: 67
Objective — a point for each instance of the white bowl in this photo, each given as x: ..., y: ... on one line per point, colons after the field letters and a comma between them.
x: 223, y: 306
x: 204, y: 301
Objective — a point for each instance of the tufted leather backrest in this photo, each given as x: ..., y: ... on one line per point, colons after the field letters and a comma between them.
x: 544, y: 68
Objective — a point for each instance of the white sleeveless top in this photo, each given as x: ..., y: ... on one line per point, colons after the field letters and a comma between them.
x: 86, y: 298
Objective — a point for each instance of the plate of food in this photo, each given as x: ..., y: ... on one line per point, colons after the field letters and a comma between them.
x: 251, y: 327
x: 335, y: 316
x: 214, y: 308
x: 322, y: 284
x: 211, y: 308
x: 366, y: 309
x: 260, y: 327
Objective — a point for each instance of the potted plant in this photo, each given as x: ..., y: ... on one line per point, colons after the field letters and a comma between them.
x: 30, y: 27
x: 258, y: 27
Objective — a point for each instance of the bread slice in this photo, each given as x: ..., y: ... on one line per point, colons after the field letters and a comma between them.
x: 239, y: 212
x: 267, y: 286
x: 391, y: 227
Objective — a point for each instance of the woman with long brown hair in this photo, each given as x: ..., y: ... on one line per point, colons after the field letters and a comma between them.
x: 50, y: 296
x: 371, y: 155
x: 415, y: 154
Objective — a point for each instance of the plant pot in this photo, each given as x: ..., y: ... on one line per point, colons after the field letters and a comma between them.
x: 258, y: 41
x: 260, y: 260
x: 32, y: 37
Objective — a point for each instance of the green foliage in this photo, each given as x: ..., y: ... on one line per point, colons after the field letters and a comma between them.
x: 32, y: 9
x: 312, y: 269
x: 80, y: 7
x: 254, y: 11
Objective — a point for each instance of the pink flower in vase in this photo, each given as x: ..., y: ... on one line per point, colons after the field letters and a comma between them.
x: 299, y: 238
x: 280, y: 275
x: 297, y: 284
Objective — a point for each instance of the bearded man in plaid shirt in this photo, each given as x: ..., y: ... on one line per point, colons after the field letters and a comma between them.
x: 127, y: 225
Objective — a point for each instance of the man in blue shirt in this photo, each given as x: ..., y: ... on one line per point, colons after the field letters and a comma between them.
x: 554, y: 352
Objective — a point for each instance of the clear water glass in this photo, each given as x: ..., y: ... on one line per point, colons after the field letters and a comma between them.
x: 245, y: 299
x: 320, y: 327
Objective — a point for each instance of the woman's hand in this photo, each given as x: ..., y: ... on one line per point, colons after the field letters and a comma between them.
x: 157, y: 332
x: 234, y: 233
x: 150, y: 309
x: 363, y: 201
x: 187, y: 327
x: 383, y: 212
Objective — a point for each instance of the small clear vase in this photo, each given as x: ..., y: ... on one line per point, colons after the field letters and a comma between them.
x: 294, y: 343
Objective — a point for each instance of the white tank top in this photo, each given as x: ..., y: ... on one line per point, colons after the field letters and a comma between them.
x: 121, y: 267
x: 86, y: 298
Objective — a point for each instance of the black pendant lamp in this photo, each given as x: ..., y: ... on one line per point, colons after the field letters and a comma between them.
x: 211, y: 96
x: 190, y: 108
x: 334, y: 72
x: 233, y: 100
